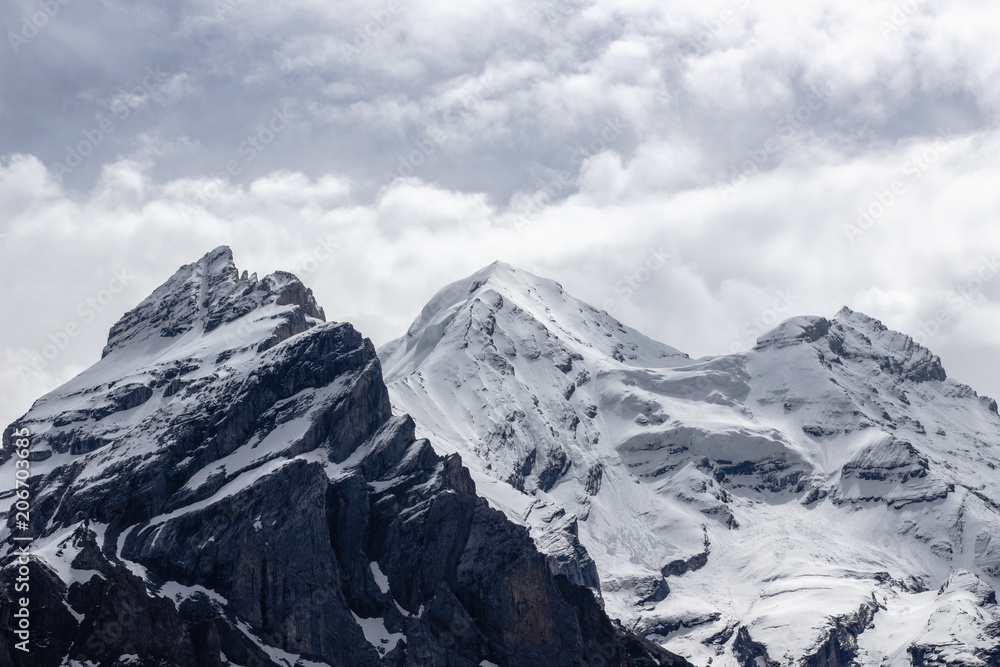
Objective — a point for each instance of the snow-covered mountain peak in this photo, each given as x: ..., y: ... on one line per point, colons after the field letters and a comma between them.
x: 497, y: 278
x: 206, y: 323
x: 500, y: 312
x: 854, y: 335
x: 203, y: 295
x: 497, y: 275
x: 500, y: 272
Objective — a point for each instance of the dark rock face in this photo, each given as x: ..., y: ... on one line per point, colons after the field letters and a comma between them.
x: 750, y: 653
x: 268, y: 504
x: 652, y: 590
x: 556, y: 466
x: 665, y: 627
x: 904, y: 357
x: 678, y: 567
x: 594, y: 477
x: 841, y: 644
x: 924, y: 656
x: 675, y: 568
x: 211, y: 292
x: 895, y: 460
x: 280, y: 577
x: 53, y: 624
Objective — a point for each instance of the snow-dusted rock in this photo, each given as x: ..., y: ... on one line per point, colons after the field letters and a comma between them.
x: 228, y: 486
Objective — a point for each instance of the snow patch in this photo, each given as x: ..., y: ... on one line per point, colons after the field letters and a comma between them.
x: 377, y: 634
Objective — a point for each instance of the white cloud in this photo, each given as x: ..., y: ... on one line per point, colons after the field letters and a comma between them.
x: 572, y: 140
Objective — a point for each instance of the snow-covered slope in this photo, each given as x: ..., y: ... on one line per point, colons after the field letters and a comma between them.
x: 802, y: 503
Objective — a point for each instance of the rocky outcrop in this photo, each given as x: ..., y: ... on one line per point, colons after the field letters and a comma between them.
x: 212, y: 292
x: 676, y: 568
x: 750, y: 653
x: 841, y: 643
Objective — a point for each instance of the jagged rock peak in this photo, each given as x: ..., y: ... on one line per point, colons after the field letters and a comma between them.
x: 210, y: 292
x: 902, y: 355
x: 852, y: 334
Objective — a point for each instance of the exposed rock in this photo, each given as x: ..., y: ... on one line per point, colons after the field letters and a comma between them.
x: 594, y: 477
x: 675, y: 568
x: 841, y: 643
x: 750, y: 653
x: 209, y: 293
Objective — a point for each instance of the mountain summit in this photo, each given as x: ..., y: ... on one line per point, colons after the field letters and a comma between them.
x: 209, y: 293
x: 542, y: 315
x: 829, y: 496
x: 228, y: 486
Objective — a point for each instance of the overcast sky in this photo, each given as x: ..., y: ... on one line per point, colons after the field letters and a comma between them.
x: 700, y: 169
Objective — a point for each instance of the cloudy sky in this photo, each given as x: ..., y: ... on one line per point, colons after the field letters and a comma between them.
x: 701, y: 169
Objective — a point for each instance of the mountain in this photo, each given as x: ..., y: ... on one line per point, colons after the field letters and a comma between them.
x: 228, y: 486
x: 829, y: 497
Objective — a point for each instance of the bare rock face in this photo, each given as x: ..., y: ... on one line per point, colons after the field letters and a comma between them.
x: 228, y: 486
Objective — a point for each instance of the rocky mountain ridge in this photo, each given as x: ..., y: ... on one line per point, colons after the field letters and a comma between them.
x: 228, y: 486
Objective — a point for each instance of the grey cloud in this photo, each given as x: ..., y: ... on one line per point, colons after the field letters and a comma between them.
x: 569, y: 139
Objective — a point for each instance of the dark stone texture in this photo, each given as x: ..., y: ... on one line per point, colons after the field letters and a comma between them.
x: 750, y: 653
x: 675, y: 568
x: 840, y: 645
